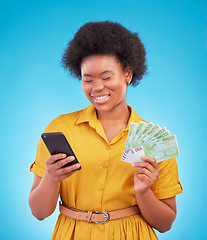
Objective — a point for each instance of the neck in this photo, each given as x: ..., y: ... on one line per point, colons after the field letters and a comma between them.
x: 119, y: 114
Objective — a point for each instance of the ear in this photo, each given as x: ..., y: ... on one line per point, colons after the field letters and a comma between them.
x: 128, y: 75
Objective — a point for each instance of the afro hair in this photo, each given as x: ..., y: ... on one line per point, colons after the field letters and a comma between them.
x: 106, y: 38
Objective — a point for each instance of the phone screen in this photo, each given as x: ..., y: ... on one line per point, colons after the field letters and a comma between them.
x: 56, y: 143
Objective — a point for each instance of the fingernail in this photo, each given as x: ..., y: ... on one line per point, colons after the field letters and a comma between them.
x: 71, y: 158
x: 133, y: 165
x: 77, y: 165
x: 63, y: 155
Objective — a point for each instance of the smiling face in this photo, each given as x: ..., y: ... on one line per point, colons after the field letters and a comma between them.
x: 104, y: 82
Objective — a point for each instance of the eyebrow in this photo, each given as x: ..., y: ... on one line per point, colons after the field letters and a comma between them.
x: 89, y: 75
x: 109, y: 71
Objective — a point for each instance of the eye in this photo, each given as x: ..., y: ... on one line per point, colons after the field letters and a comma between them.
x: 88, y: 81
x: 107, y: 78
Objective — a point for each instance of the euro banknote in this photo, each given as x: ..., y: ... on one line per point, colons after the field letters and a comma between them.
x: 150, y: 140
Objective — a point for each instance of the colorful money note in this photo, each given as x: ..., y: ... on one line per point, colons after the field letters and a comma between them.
x: 133, y: 155
x: 150, y: 140
x: 161, y: 150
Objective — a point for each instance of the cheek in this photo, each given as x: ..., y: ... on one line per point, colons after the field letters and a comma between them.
x: 121, y: 87
x: 83, y: 86
x: 85, y: 89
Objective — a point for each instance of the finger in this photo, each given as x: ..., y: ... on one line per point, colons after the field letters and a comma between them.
x: 145, y: 171
x: 70, y: 173
x: 152, y: 161
x: 56, y: 157
x: 66, y: 170
x: 142, y: 177
x: 146, y: 166
x: 64, y: 176
x: 61, y: 163
x: 141, y: 164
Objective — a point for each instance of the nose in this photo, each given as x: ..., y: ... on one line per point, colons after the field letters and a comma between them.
x: 98, y: 85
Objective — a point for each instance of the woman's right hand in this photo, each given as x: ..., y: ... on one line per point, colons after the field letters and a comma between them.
x: 54, y: 170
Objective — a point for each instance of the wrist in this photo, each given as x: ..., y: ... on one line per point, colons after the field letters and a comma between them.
x: 50, y: 180
x: 141, y: 193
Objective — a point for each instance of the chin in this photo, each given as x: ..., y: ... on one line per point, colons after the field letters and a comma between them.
x: 102, y: 108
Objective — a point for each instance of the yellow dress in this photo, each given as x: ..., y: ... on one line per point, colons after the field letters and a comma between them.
x: 105, y: 183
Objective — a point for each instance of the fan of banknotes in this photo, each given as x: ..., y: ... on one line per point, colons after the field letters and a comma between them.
x: 148, y: 139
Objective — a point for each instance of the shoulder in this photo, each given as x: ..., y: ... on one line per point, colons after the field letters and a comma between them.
x: 63, y: 119
x: 134, y: 117
x: 73, y: 116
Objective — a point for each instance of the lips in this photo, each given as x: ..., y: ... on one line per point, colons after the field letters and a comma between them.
x: 100, y: 98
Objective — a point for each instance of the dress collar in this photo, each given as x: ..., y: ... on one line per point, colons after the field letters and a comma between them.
x: 89, y: 115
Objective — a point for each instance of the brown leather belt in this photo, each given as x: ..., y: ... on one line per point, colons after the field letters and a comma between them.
x: 98, y: 216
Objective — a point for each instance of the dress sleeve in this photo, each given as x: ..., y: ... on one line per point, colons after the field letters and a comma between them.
x: 167, y: 185
x: 39, y: 165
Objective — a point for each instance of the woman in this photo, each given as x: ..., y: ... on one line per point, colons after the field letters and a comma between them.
x: 107, y: 198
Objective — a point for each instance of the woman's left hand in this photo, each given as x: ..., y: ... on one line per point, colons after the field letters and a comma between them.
x: 146, y: 174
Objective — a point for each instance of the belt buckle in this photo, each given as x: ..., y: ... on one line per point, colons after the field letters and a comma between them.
x: 106, y: 215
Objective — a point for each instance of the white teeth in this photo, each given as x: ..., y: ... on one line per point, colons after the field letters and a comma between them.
x: 101, y: 97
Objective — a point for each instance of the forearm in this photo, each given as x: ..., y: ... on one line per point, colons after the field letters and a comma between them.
x: 158, y: 214
x: 43, y: 198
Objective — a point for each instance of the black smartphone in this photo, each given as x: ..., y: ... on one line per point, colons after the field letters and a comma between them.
x: 56, y: 143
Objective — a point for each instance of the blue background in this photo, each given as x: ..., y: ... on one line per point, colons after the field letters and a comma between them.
x: 35, y: 89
